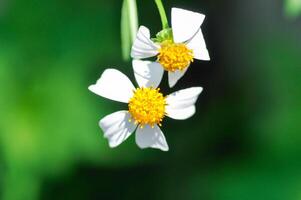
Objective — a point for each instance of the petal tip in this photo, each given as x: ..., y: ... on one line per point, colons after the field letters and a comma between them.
x: 165, y: 149
x: 171, y: 84
x: 200, y: 89
x: 112, y: 145
x: 91, y: 88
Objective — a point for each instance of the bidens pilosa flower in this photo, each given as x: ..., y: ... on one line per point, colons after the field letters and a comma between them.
x: 147, y: 106
x: 175, y: 47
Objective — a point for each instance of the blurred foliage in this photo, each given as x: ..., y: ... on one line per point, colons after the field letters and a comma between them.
x: 293, y: 7
x: 243, y: 143
x: 129, y: 27
x: 48, y: 121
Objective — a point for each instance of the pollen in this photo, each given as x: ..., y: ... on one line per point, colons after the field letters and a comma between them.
x: 173, y: 56
x: 147, y: 106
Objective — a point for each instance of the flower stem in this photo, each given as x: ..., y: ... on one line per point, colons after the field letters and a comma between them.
x: 162, y: 14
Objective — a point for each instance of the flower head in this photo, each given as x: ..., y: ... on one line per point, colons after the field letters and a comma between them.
x: 174, y: 56
x: 175, y: 48
x: 147, y: 106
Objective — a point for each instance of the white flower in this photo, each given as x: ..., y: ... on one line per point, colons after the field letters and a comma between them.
x: 175, y: 54
x: 146, y: 105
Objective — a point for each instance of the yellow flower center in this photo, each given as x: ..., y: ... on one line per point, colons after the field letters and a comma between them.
x: 147, y: 106
x: 174, y: 56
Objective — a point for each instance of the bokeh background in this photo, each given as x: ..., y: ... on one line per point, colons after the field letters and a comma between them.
x: 244, y: 142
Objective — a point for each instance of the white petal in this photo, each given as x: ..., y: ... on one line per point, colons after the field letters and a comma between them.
x: 173, y: 77
x: 185, y: 24
x: 143, y: 46
x: 147, y: 73
x: 198, y: 45
x: 180, y: 104
x: 151, y: 137
x: 113, y: 85
x: 181, y: 113
x: 116, y: 127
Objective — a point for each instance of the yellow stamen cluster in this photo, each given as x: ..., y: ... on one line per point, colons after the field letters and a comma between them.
x: 174, y: 56
x: 147, y: 106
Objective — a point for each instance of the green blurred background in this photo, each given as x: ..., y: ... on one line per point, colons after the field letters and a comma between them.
x: 244, y: 142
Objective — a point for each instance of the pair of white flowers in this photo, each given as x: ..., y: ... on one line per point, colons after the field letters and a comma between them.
x: 147, y: 106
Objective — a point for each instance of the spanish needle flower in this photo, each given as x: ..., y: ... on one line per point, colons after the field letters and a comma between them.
x: 147, y: 106
x: 175, y: 47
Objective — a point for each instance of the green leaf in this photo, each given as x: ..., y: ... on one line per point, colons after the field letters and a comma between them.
x: 125, y: 31
x: 129, y: 26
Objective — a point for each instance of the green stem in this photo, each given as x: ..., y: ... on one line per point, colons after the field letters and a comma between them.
x: 162, y: 14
